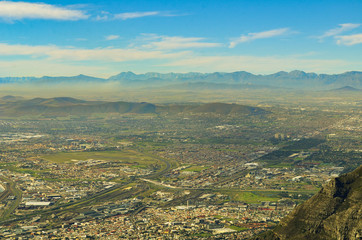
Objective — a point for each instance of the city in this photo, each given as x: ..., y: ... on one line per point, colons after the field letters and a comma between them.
x: 168, y: 119
x: 168, y: 175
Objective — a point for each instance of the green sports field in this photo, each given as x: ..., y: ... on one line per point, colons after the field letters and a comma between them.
x: 127, y: 156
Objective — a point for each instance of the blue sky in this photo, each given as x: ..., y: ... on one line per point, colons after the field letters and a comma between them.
x: 103, y: 38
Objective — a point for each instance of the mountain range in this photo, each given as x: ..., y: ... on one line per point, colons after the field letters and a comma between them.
x: 241, y: 79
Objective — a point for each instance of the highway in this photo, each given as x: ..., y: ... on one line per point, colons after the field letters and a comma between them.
x: 10, y: 190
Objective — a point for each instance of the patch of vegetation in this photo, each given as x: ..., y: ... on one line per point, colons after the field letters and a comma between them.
x: 281, y: 165
x: 251, y: 196
x: 195, y: 168
x: 128, y: 156
x: 203, y: 235
x: 237, y: 228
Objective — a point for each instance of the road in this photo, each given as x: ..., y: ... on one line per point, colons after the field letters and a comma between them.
x: 10, y: 189
x: 116, y: 191
x: 159, y: 184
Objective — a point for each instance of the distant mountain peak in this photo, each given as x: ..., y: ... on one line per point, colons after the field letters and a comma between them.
x: 297, y: 71
x: 347, y: 89
x: 8, y: 97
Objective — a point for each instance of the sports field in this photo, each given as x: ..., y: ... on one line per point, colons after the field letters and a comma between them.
x: 126, y: 156
x: 252, y: 196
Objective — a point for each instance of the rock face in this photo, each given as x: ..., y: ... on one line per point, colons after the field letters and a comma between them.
x: 335, y: 212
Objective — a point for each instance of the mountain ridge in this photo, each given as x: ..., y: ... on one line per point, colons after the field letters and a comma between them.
x: 294, y: 79
x: 64, y: 106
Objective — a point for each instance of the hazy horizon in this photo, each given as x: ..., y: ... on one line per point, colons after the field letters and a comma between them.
x: 186, y: 72
x: 102, y: 39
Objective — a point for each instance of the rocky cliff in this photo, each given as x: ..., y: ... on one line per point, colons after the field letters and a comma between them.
x: 335, y: 212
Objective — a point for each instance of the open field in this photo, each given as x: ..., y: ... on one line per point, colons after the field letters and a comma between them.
x: 195, y: 168
x: 128, y: 156
x: 252, y: 197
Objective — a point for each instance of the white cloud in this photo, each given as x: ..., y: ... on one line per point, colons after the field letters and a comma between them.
x: 10, y: 11
x: 106, y: 16
x: 349, y: 40
x: 130, y: 15
x: 102, y: 18
x: 112, y: 37
x: 54, y: 60
x: 258, y: 35
x: 182, y: 63
x: 171, y: 43
x: 82, y: 54
x: 159, y: 52
x: 260, y: 65
x: 342, y: 28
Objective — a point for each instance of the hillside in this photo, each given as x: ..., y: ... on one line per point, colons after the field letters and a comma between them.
x: 69, y: 106
x: 63, y: 106
x: 333, y: 213
x: 347, y: 89
x: 10, y: 98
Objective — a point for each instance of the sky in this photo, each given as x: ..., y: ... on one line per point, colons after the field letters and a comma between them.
x: 104, y: 38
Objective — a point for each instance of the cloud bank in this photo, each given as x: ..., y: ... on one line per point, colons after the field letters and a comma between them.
x: 52, y: 52
x: 171, y: 43
x: 112, y: 37
x: 349, y: 40
x: 341, y: 29
x: 12, y: 11
x: 130, y: 15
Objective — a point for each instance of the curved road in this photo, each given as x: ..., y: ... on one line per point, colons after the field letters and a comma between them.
x: 10, y: 189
